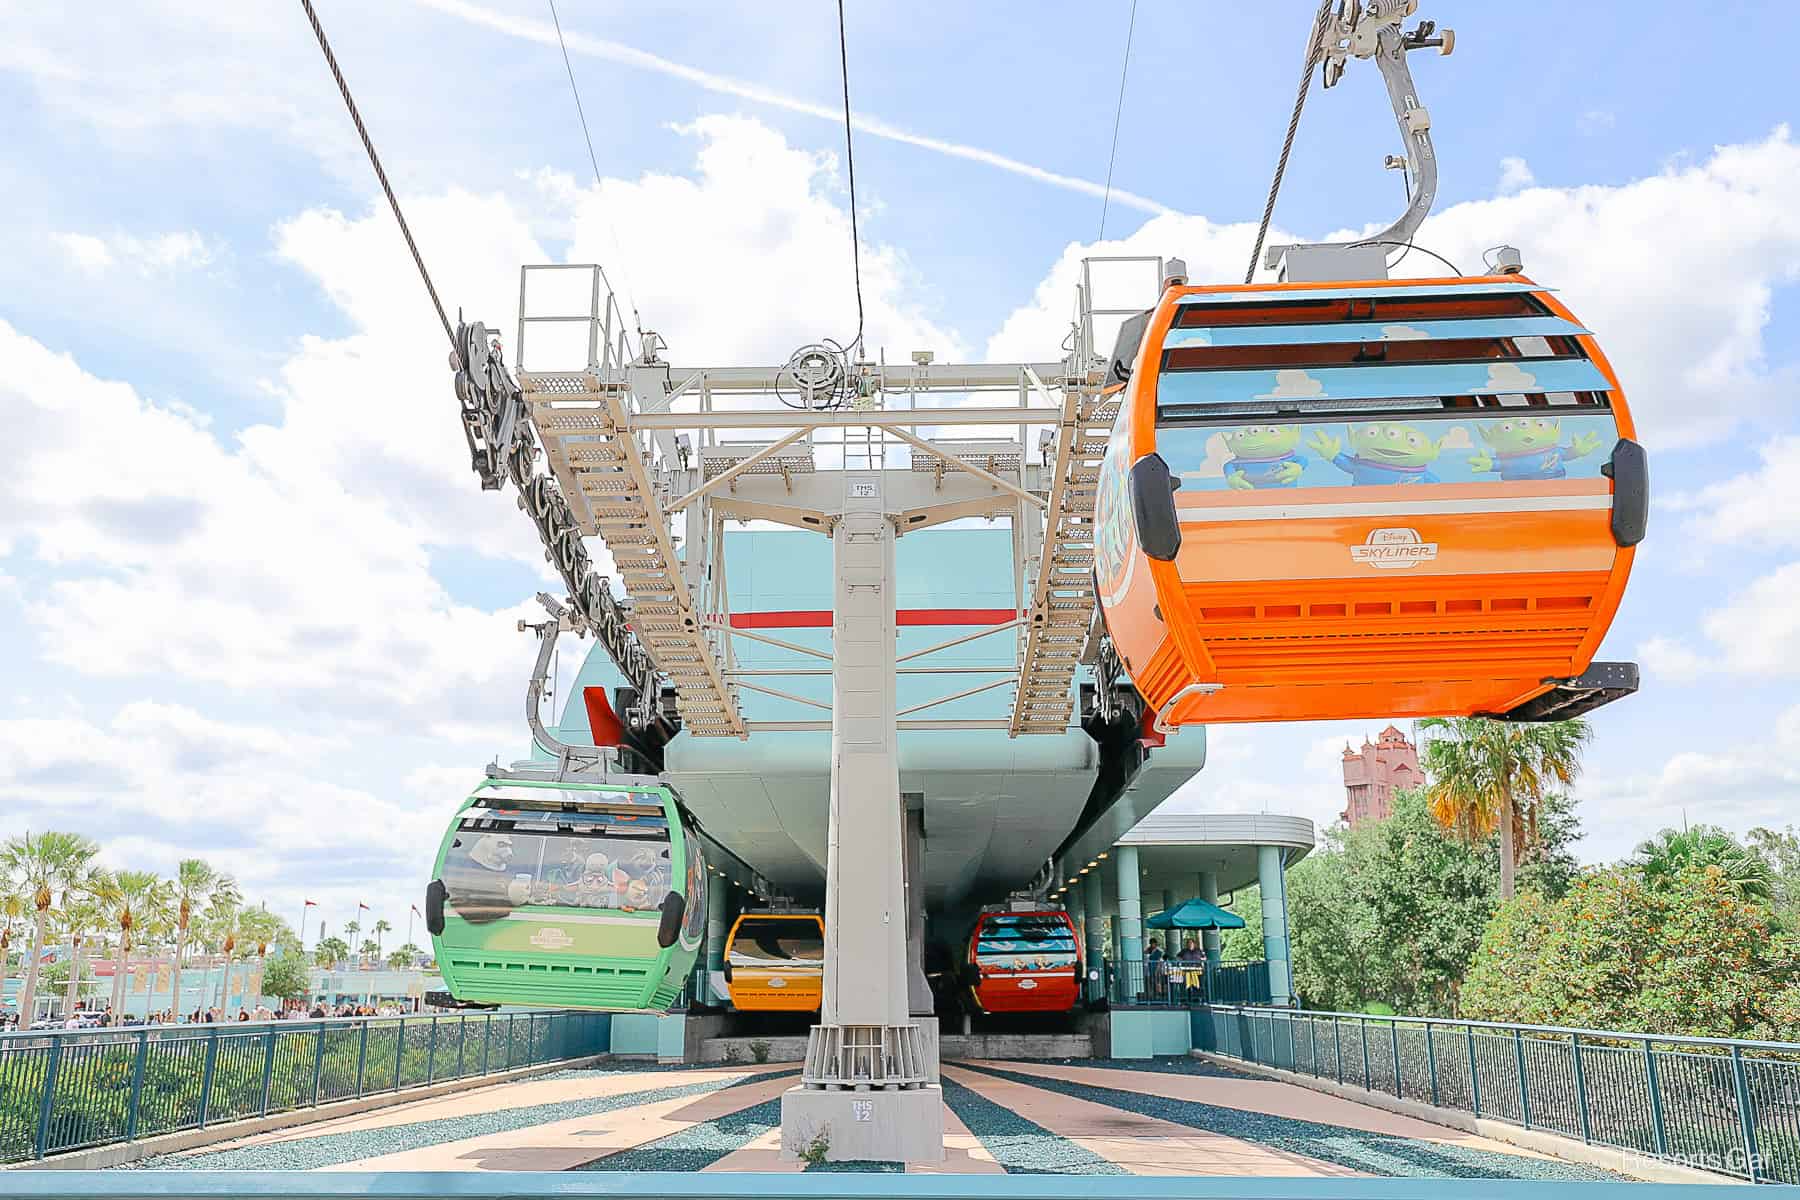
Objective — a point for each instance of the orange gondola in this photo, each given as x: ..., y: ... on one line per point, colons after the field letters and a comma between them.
x: 1026, y: 961
x: 775, y: 962
x: 1370, y: 499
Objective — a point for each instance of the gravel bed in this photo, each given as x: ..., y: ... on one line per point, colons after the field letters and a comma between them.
x: 1021, y: 1146
x: 1374, y: 1153
x: 330, y: 1149
x: 698, y: 1146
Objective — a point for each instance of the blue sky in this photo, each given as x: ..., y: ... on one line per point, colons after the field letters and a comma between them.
x: 253, y: 606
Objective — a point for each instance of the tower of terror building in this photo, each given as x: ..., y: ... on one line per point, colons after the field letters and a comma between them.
x: 1370, y: 778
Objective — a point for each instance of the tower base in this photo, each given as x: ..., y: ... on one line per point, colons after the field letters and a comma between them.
x: 871, y: 1125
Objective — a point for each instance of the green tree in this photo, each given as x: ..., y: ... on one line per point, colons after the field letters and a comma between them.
x: 331, y: 951
x: 1669, y: 853
x: 380, y: 927
x: 1487, y: 775
x: 196, y: 882
x: 287, y: 977
x: 42, y: 867
x: 403, y: 957
x: 84, y: 914
x: 14, y: 904
x: 351, y: 929
x: 1683, y: 954
x: 1781, y: 850
x: 130, y: 906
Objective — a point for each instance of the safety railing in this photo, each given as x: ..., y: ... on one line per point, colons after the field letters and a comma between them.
x: 1165, y: 983
x: 71, y: 1089
x: 1714, y: 1103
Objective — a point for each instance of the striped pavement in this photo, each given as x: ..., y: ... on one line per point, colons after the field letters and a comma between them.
x: 1170, y: 1117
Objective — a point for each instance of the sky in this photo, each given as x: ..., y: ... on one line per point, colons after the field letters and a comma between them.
x: 254, y: 607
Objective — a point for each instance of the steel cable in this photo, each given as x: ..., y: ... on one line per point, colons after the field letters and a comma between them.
x: 1314, y: 45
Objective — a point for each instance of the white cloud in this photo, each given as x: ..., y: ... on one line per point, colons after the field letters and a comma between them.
x: 1759, y: 508
x: 1515, y: 175
x: 1681, y: 305
x: 1742, y: 786
x: 1508, y: 377
x: 579, y: 43
x: 1754, y: 634
x: 87, y: 252
x: 280, y: 581
x: 1292, y: 383
x: 1595, y: 121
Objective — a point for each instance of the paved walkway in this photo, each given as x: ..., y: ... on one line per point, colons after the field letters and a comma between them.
x: 1171, y: 1117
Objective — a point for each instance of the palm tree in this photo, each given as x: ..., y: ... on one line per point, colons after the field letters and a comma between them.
x: 83, y: 914
x: 222, y: 929
x: 258, y: 927
x: 381, y: 926
x: 402, y: 958
x: 331, y: 950
x: 369, y: 952
x: 41, y: 867
x: 14, y: 904
x: 196, y: 882
x: 135, y: 904
x: 351, y: 929
x: 1674, y: 850
x: 1487, y: 775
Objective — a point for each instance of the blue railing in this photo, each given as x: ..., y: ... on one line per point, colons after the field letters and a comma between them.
x: 695, y: 1185
x: 1162, y: 983
x: 1713, y: 1103
x: 72, y: 1089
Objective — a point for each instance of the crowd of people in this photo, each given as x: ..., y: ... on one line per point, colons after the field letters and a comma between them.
x: 104, y: 1018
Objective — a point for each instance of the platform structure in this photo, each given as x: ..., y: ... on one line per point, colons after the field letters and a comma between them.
x: 655, y: 459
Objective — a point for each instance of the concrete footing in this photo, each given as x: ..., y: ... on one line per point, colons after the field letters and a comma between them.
x: 891, y: 1125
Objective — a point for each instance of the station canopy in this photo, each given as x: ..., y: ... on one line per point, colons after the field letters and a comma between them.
x: 1195, y: 914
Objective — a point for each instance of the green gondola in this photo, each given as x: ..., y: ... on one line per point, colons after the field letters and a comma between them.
x: 568, y: 894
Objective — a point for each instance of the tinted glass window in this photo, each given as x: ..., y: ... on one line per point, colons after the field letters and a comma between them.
x: 585, y: 860
x: 1027, y: 940
x: 769, y: 943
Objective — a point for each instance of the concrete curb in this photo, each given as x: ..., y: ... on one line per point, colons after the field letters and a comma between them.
x: 1625, y: 1162
x: 119, y: 1153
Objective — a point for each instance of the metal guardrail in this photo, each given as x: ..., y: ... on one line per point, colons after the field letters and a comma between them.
x: 67, y: 1090
x: 1162, y: 983
x: 750, y: 1185
x: 1718, y: 1104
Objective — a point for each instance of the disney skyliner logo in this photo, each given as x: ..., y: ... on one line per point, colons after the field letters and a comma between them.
x: 1394, y: 548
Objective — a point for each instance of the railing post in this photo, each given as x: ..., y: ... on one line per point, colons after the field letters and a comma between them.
x: 431, y: 1055
x: 362, y: 1057
x: 1394, y: 1032
x: 1474, y: 1073
x: 487, y: 1039
x: 1368, y: 1085
x: 1524, y: 1092
x: 399, y: 1052
x: 1337, y: 1038
x: 1746, y: 1119
x: 509, y: 1029
x: 1312, y: 1029
x: 1654, y: 1083
x: 137, y: 1084
x: 42, y: 1145
x: 462, y: 1043
x: 1587, y: 1126
x: 318, y: 1062
x: 206, y: 1072
x: 1431, y: 1062
x: 268, y: 1070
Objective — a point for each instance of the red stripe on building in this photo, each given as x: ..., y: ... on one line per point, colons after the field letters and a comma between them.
x: 821, y: 618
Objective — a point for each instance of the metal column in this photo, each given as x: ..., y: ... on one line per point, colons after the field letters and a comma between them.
x: 1272, y: 879
x: 1131, y: 905
x: 1209, y: 938
x: 1093, y: 903
x: 864, y: 1088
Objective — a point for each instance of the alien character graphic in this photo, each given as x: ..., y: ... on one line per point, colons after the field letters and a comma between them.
x: 1381, y: 452
x: 1529, y: 448
x: 1263, y: 456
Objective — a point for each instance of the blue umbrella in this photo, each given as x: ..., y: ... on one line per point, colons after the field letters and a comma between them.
x: 1195, y: 914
